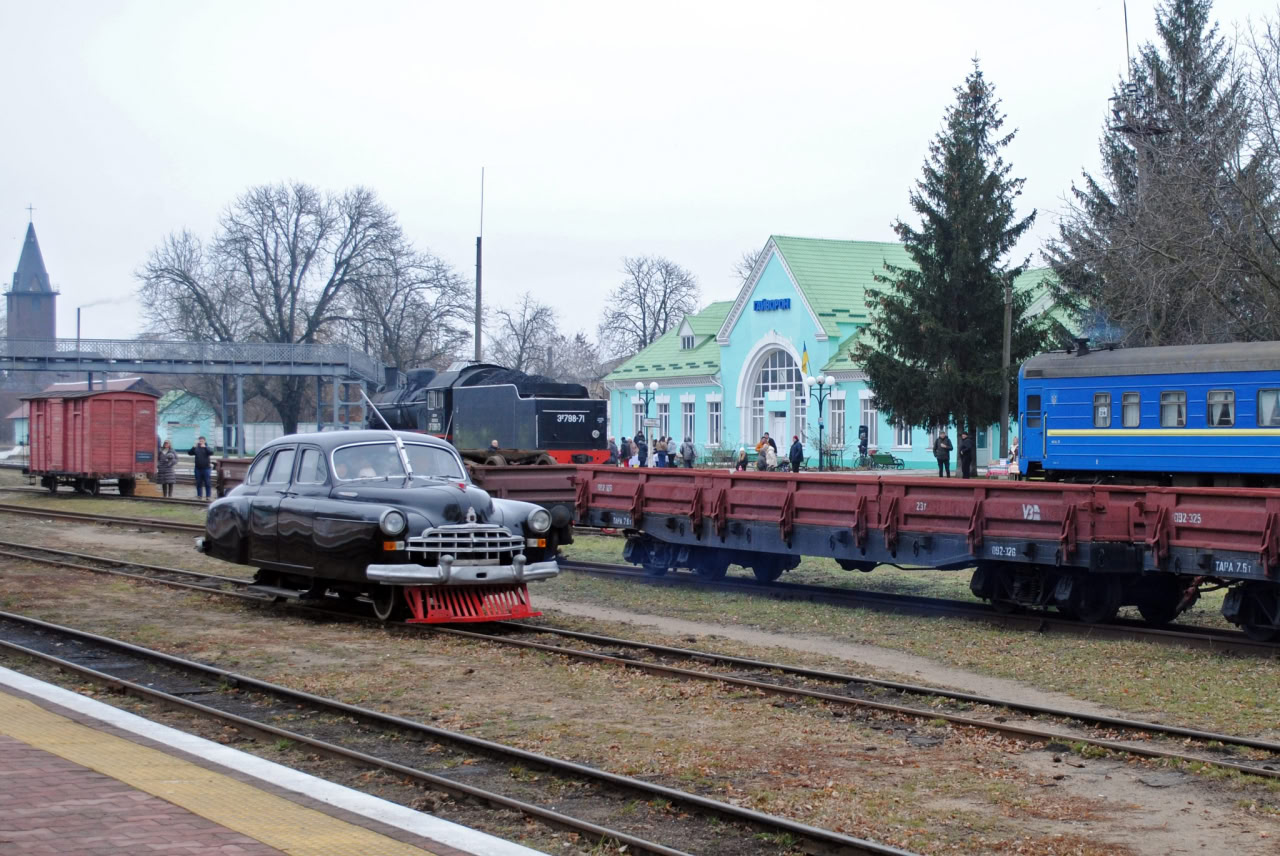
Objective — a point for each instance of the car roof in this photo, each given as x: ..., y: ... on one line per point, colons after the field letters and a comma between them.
x: 330, y: 440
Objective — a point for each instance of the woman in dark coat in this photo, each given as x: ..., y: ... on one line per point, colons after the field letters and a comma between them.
x: 796, y: 454
x: 167, y: 468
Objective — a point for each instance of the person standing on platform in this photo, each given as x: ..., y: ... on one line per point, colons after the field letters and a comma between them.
x: 204, y: 462
x: 167, y: 469
x: 642, y: 450
x: 796, y: 454
x: 613, y: 453
x: 942, y: 451
x: 688, y: 452
x: 965, y: 456
x: 660, y: 451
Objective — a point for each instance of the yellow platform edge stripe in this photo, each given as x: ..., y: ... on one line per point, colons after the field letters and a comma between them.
x: 241, y: 807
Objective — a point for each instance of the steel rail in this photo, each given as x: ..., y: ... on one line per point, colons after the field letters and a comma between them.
x: 1040, y: 622
x: 1088, y: 719
x: 84, y: 517
x: 162, y: 500
x: 914, y: 689
x: 826, y: 840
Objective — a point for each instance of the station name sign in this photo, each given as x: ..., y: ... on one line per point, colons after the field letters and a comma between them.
x: 771, y: 305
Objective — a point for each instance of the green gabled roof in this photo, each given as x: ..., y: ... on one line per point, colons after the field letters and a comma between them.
x: 836, y: 275
x: 665, y: 358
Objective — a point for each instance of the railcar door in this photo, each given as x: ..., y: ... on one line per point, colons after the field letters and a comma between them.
x: 264, y: 509
x: 299, y: 506
x: 1032, y: 444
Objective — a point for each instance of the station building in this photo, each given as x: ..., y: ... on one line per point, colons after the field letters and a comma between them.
x: 736, y: 369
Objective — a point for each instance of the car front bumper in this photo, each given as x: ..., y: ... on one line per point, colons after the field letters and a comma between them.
x: 450, y: 573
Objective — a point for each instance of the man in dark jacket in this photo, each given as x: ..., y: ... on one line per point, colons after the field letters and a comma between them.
x: 771, y: 442
x: 966, y: 454
x: 796, y: 454
x: 642, y: 449
x: 204, y: 461
x: 942, y: 451
x: 613, y: 453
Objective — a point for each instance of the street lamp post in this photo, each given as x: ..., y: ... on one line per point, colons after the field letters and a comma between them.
x: 646, y: 395
x: 820, y: 389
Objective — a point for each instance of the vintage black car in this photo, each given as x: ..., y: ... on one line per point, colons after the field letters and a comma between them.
x: 393, y: 516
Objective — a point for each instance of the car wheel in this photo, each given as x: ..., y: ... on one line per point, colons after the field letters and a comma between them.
x: 389, y: 603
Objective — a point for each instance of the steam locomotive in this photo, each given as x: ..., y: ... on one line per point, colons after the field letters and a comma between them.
x: 533, y: 419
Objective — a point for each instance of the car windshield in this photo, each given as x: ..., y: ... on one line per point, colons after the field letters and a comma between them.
x: 382, y: 461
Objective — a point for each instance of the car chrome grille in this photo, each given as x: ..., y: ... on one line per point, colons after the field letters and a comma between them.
x: 470, y: 543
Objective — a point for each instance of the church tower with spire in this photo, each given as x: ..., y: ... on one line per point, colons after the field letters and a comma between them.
x: 30, y: 303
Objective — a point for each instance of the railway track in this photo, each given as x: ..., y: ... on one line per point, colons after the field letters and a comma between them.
x: 200, y: 503
x: 85, y: 517
x: 454, y: 762
x: 1039, y: 622
x: 1064, y: 731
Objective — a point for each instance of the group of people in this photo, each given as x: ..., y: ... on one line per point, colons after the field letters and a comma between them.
x: 635, y: 452
x: 767, y: 455
x: 167, y: 468
x: 966, y: 456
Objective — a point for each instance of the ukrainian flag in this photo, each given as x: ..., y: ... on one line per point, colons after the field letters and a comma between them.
x: 804, y: 359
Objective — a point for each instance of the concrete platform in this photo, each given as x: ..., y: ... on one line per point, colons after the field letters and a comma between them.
x: 82, y: 778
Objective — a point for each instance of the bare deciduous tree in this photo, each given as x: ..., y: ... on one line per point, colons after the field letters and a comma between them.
x: 653, y: 298
x: 412, y: 310
x: 283, y: 267
x: 575, y: 359
x: 743, y: 267
x: 520, y: 336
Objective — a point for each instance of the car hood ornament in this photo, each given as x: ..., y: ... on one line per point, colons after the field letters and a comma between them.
x: 471, y: 515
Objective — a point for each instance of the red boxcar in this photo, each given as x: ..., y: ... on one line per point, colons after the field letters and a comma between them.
x: 85, y: 438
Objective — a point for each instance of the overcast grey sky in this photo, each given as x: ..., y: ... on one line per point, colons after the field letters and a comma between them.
x: 691, y: 130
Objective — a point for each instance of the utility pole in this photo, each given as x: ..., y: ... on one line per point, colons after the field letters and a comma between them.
x: 1004, y: 363
x: 479, y: 241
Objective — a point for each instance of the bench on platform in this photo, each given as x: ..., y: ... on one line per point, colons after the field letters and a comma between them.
x: 885, y: 461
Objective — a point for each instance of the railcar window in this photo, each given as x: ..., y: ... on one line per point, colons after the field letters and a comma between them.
x: 1222, y: 408
x: 312, y: 469
x: 1033, y: 411
x: 1269, y: 408
x: 1173, y: 409
x: 1131, y: 403
x: 281, y: 467
x: 1102, y: 410
x: 258, y: 469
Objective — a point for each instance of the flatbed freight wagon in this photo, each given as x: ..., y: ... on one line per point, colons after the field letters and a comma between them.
x: 88, y: 439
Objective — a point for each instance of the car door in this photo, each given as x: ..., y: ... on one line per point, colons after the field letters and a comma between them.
x: 1032, y: 445
x: 264, y: 508
x: 299, y: 506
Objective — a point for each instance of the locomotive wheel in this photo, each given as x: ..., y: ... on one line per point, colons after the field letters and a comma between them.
x: 1095, y: 601
x: 388, y: 603
x: 545, y: 460
x: 495, y: 461
x: 1158, y: 604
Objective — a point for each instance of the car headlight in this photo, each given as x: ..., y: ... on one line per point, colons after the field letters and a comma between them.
x: 540, y: 520
x: 392, y: 522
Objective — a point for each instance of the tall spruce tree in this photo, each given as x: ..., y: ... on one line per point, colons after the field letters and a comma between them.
x: 1161, y: 248
x: 934, y: 346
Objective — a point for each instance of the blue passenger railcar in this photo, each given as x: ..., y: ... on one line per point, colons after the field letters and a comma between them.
x: 1182, y: 415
